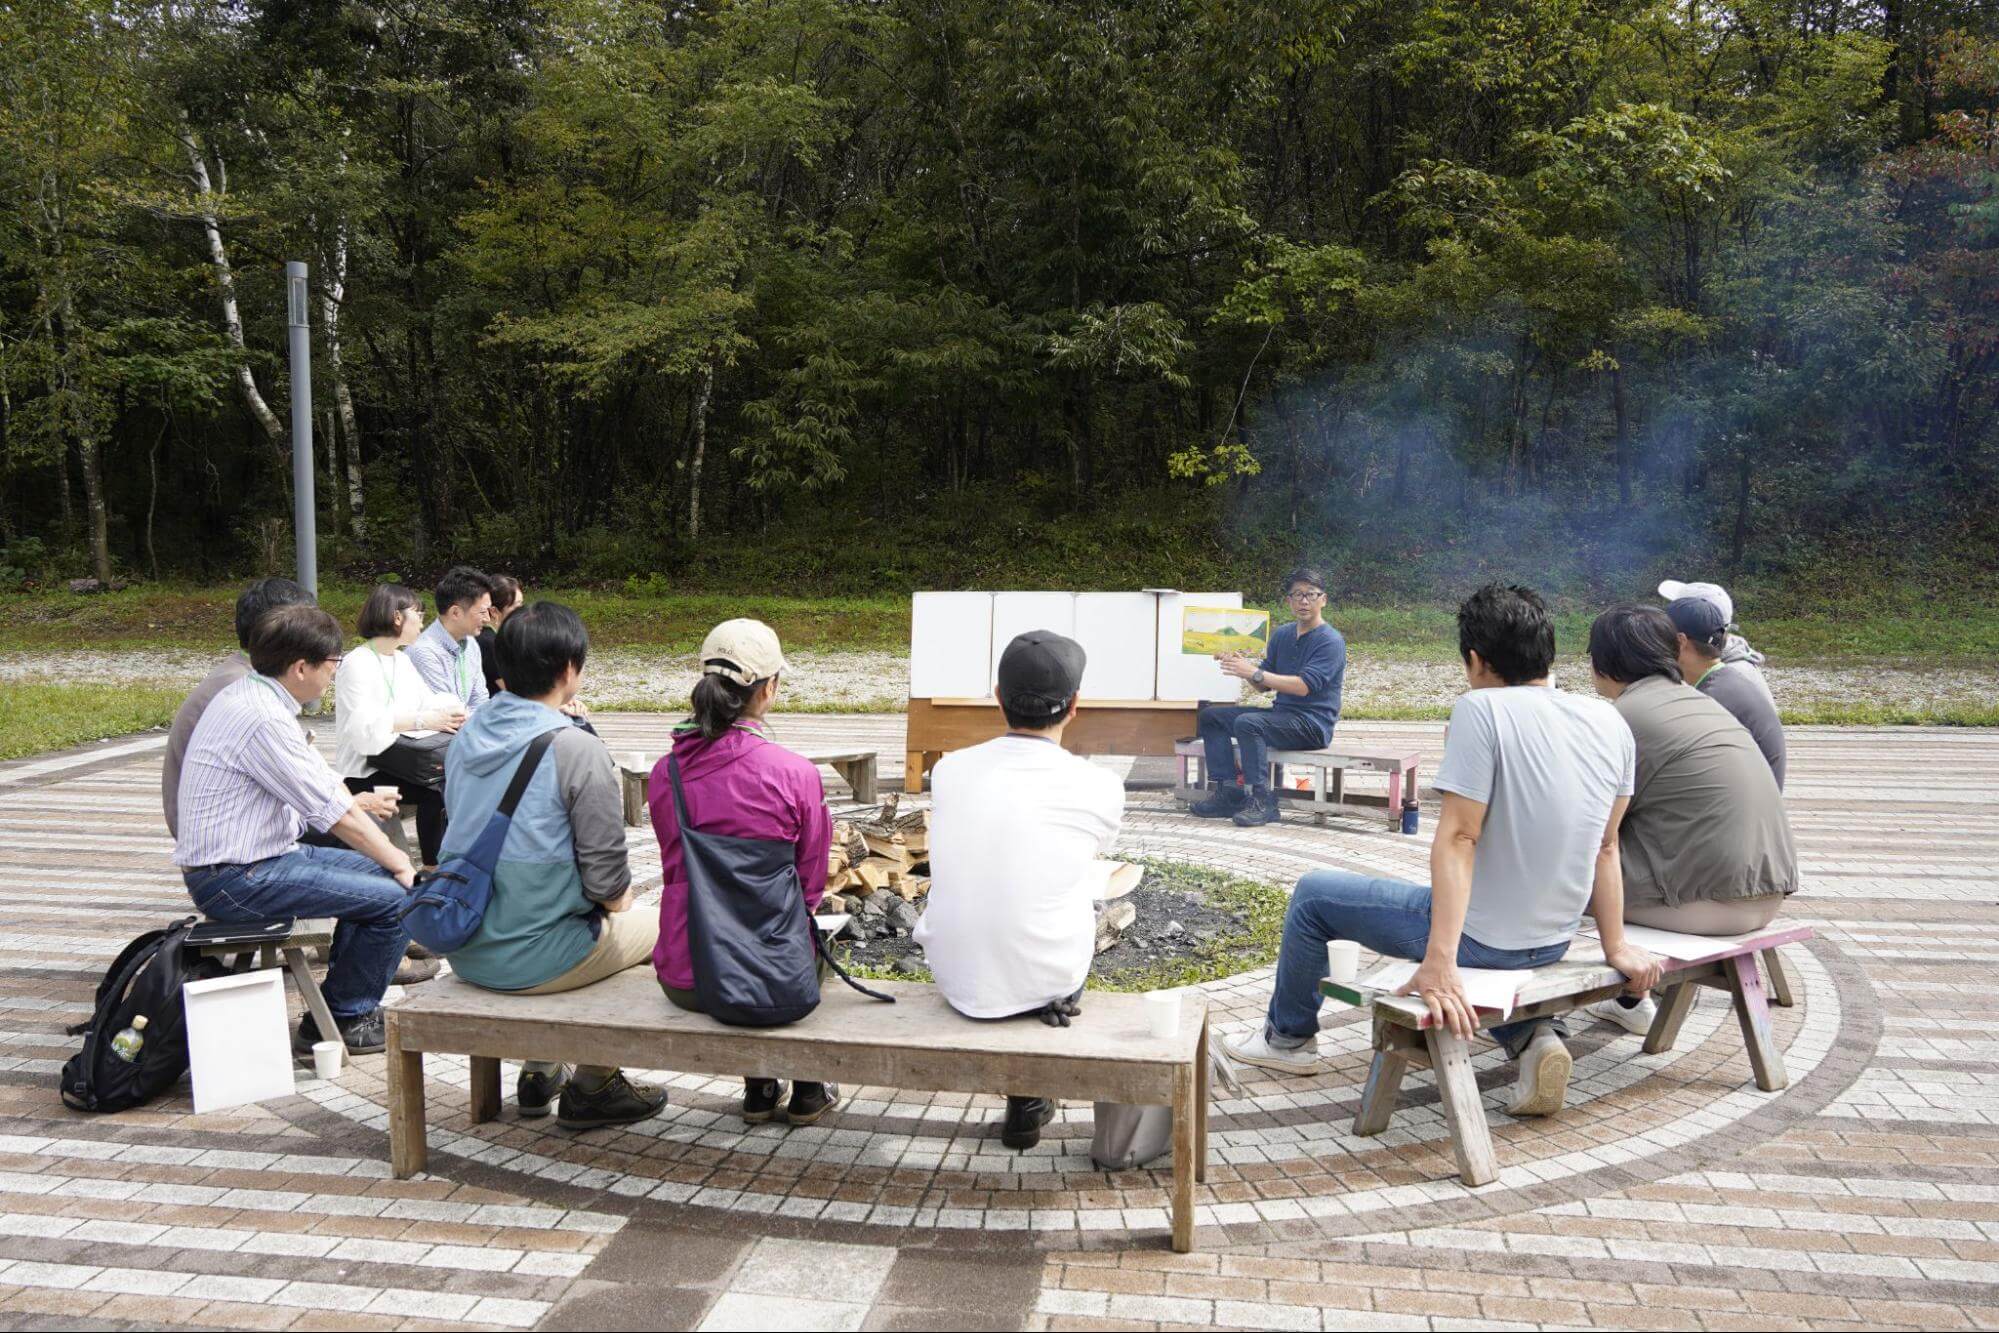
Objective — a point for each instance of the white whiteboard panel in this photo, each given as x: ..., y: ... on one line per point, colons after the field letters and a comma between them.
x: 1118, y: 631
x: 1018, y: 612
x: 1192, y: 676
x: 950, y: 645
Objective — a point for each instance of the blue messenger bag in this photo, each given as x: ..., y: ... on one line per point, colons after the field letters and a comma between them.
x: 447, y: 905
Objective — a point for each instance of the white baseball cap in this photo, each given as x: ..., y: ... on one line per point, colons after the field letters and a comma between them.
x: 745, y: 651
x: 1673, y: 590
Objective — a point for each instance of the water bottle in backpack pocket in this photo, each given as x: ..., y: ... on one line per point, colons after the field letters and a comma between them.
x: 139, y: 998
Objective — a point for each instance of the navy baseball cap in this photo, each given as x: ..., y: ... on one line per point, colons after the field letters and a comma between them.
x: 1040, y: 672
x: 1699, y: 619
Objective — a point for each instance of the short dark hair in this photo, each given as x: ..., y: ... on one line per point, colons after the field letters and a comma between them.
x: 293, y: 633
x: 461, y: 584
x: 1631, y: 641
x: 506, y: 590
x: 1304, y: 574
x: 538, y: 643
x: 384, y: 605
x: 1508, y: 626
x: 260, y: 597
x: 1035, y: 721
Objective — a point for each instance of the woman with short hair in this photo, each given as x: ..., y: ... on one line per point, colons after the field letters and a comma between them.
x: 738, y: 782
x: 390, y: 727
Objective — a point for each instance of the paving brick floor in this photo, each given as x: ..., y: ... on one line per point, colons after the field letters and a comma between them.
x: 1669, y: 1194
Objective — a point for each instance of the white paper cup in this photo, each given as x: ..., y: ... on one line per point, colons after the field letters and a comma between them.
x: 1342, y: 961
x: 326, y: 1058
x: 635, y: 760
x: 393, y: 793
x: 1162, y: 1012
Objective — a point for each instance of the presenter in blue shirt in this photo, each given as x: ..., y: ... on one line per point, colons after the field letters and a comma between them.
x: 1305, y: 667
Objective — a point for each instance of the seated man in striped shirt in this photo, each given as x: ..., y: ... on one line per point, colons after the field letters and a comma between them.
x: 252, y: 784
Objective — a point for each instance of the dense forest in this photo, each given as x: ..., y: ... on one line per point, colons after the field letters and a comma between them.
x: 763, y: 289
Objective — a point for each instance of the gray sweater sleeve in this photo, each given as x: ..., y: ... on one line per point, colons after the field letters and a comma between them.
x: 591, y: 792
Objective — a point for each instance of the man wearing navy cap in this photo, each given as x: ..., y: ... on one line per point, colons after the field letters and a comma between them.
x: 1010, y: 926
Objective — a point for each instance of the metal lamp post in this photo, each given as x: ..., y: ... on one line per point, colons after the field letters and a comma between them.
x: 304, y: 509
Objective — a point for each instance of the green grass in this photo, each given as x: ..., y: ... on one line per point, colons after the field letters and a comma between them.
x: 37, y: 716
x: 1252, y: 945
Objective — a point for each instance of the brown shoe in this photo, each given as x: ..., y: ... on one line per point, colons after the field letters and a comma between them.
x: 413, y: 970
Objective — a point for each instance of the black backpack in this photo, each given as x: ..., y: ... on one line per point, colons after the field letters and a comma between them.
x: 145, y: 980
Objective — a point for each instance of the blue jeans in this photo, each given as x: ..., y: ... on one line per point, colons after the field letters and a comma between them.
x: 1386, y: 915
x: 369, y: 939
x: 1257, y: 731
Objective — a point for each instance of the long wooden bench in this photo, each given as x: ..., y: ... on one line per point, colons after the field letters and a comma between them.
x: 857, y: 768
x: 1108, y: 1054
x: 1406, y: 1036
x: 1327, y: 794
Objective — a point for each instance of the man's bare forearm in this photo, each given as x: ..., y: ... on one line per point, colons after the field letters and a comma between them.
x: 1450, y: 894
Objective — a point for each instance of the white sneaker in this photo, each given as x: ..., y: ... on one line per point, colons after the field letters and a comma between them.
x: 1543, y: 1083
x: 1638, y: 1018
x: 1253, y: 1048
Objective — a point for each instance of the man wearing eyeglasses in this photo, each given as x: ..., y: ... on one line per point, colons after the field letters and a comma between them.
x: 1305, y: 667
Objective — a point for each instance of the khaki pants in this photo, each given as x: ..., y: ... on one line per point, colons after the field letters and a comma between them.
x: 1736, y: 917
x: 626, y: 940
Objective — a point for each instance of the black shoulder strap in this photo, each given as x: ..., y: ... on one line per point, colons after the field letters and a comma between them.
x: 518, y: 787
x: 673, y: 776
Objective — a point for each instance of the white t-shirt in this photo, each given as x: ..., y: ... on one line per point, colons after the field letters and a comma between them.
x: 1548, y: 767
x: 1014, y: 826
x: 369, y: 692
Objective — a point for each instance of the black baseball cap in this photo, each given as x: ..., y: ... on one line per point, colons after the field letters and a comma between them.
x: 1698, y: 619
x: 1040, y: 672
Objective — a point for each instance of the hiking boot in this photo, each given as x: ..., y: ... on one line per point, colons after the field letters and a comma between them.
x: 1261, y: 809
x: 536, y: 1090
x: 1254, y: 1048
x: 1024, y: 1118
x: 618, y: 1102
x: 412, y: 971
x: 1543, y: 1084
x: 364, y: 1035
x: 811, y: 1101
x: 1222, y: 801
x: 760, y: 1099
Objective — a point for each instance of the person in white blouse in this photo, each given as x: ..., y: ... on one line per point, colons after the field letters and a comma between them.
x: 391, y: 727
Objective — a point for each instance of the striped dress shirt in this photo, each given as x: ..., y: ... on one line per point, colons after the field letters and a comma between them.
x: 252, y: 783
x: 448, y: 665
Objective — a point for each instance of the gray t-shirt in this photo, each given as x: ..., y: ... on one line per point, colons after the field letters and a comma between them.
x: 227, y: 672
x: 1740, y: 689
x: 1548, y: 767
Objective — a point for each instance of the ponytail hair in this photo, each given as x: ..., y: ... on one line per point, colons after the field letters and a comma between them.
x: 718, y: 702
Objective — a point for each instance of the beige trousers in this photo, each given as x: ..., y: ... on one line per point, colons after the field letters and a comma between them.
x: 1736, y: 917
x: 626, y: 940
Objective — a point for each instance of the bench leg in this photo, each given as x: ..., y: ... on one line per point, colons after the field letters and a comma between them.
x: 1780, y: 980
x: 1450, y: 1059
x: 1184, y: 1133
x: 912, y: 773
x: 409, y: 1146
x: 1384, y: 1085
x: 1745, y: 983
x: 1201, y: 1095
x: 860, y: 775
x: 1674, y: 1006
x: 308, y: 991
x: 485, y: 1088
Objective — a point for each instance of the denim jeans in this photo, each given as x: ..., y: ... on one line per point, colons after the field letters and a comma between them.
x: 1257, y: 731
x: 1388, y: 916
x: 369, y: 939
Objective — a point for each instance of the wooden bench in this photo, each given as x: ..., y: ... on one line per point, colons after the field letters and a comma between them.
x: 307, y: 933
x: 918, y: 1042
x: 857, y: 768
x: 1330, y: 765
x: 1405, y: 1035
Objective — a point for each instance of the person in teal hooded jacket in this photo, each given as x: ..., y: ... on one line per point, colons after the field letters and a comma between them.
x: 558, y: 919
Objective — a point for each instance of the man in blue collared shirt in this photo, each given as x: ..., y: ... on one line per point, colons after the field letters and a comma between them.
x: 1306, y: 668
x: 446, y: 655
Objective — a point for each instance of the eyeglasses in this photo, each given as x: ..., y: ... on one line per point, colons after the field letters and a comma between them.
x: 1304, y: 595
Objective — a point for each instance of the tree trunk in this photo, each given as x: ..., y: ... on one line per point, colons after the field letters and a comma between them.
x: 93, y: 493
x: 232, y: 322
x: 153, y: 498
x: 1741, y: 538
x: 703, y: 390
x: 349, y: 447
x: 1623, y: 437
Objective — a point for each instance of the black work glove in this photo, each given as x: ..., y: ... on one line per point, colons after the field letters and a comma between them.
x: 1057, y: 1013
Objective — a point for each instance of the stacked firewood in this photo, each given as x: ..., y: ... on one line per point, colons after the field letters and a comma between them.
x: 888, y: 853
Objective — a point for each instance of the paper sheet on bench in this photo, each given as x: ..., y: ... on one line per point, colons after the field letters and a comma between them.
x: 1487, y: 988
x: 1688, y: 948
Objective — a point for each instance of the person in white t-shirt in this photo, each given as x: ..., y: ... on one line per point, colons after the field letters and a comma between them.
x: 390, y: 728
x: 1009, y: 928
x: 1535, y: 783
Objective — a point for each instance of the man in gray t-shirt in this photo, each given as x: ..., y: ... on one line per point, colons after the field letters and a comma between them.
x: 1736, y: 686
x: 1534, y: 783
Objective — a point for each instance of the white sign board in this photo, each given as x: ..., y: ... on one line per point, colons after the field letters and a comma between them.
x: 1116, y: 630
x: 238, y: 1042
x: 950, y: 645
x: 1016, y: 613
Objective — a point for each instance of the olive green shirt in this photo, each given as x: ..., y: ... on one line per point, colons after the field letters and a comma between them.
x: 1706, y: 821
